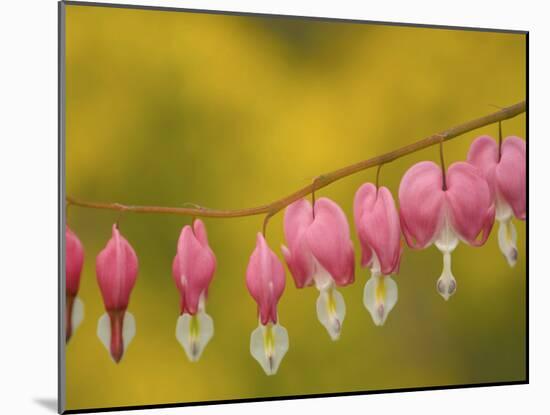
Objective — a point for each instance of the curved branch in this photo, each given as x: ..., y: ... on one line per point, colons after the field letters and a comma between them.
x: 322, y: 180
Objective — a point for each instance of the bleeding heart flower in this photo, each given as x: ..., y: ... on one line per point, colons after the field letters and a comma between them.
x: 74, y: 259
x: 116, y: 268
x: 320, y: 251
x: 506, y: 175
x: 193, y: 269
x: 379, y: 231
x: 265, y: 280
x: 444, y: 213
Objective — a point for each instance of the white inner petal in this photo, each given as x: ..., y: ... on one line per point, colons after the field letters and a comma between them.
x: 322, y: 278
x: 268, y: 345
x: 375, y: 267
x: 446, y: 284
x: 331, y: 310
x: 194, y: 332
x: 77, y: 314
x: 379, y: 297
x: 202, y: 302
x: 104, y: 331
x: 503, y: 211
x: 446, y: 240
x: 128, y: 329
x: 507, y: 241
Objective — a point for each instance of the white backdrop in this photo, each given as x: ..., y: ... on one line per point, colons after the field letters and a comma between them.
x: 28, y: 220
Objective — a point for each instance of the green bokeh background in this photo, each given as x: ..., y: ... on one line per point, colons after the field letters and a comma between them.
x: 236, y: 111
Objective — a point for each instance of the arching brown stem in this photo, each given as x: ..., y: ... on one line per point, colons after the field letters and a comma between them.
x: 321, y: 181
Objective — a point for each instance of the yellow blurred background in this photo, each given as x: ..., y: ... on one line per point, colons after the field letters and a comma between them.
x: 228, y: 112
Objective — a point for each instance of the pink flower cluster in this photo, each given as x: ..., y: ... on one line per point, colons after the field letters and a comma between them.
x: 435, y: 207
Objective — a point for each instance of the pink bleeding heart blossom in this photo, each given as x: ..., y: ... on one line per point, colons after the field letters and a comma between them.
x: 265, y: 280
x: 320, y: 251
x: 193, y: 269
x: 379, y: 231
x: 444, y: 213
x: 74, y: 259
x: 505, y: 172
x: 117, y: 269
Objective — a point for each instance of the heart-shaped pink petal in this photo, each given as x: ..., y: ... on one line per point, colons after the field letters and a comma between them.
x: 421, y: 200
x: 298, y: 217
x: 378, y: 227
x: 469, y: 200
x: 329, y: 240
x: 511, y: 175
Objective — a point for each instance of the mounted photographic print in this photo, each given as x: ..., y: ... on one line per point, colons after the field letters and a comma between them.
x: 259, y: 207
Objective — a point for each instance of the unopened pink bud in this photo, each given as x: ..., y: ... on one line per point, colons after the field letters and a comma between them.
x: 116, y: 268
x: 265, y: 279
x: 74, y: 259
x: 193, y: 267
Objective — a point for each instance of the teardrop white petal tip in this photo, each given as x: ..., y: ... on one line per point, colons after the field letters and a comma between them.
x: 268, y: 345
x: 379, y: 297
x: 446, y: 284
x: 194, y: 332
x: 128, y: 331
x: 507, y: 241
x: 77, y: 314
x: 331, y: 311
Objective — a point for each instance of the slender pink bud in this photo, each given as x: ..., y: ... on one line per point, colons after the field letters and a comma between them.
x: 193, y: 267
x: 74, y: 259
x: 265, y: 280
x: 116, y: 268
